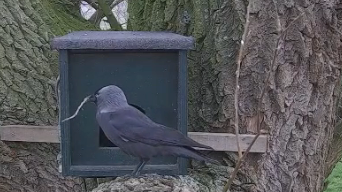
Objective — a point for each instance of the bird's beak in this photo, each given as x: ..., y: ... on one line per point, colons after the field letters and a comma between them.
x: 92, y: 98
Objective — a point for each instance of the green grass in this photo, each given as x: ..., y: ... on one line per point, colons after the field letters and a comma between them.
x: 335, y: 179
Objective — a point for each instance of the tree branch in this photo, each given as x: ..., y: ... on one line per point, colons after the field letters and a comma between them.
x: 241, y: 157
x: 92, y: 3
x: 237, y: 76
x: 114, y: 24
x: 98, y: 15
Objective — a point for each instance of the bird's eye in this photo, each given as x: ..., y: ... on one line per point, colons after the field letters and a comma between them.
x: 97, y: 92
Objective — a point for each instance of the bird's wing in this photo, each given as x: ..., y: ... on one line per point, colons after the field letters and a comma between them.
x: 135, y: 126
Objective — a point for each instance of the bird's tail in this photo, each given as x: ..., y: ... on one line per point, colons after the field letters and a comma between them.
x: 188, y: 152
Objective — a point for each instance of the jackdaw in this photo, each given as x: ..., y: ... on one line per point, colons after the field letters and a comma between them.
x: 136, y: 134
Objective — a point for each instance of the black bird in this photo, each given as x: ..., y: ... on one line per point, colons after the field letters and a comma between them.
x: 136, y: 134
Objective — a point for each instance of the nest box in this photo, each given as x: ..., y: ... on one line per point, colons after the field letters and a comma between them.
x: 150, y: 67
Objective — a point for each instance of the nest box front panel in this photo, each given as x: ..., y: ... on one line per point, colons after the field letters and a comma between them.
x: 149, y: 80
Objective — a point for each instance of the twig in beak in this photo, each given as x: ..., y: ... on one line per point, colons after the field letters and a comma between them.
x: 78, y: 108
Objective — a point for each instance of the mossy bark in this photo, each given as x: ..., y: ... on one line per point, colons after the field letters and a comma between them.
x: 299, y: 107
x: 217, y: 27
x: 28, y: 69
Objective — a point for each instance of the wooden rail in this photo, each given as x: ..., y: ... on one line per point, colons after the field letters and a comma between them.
x: 218, y: 141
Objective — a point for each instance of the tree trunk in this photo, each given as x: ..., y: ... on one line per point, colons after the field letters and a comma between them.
x: 300, y: 102
x: 28, y: 69
x: 303, y: 89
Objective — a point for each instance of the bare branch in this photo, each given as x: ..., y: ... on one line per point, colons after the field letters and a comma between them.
x: 115, y: 3
x: 92, y: 3
x: 238, y: 164
x: 98, y: 15
x: 237, y: 76
x: 241, y: 157
x: 114, y: 24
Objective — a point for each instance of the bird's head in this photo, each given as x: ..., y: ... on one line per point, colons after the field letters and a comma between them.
x: 107, y: 99
x: 110, y: 96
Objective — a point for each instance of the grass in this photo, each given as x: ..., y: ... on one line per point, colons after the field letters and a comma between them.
x: 335, y: 179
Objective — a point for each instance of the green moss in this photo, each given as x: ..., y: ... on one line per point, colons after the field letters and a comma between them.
x: 158, y: 23
x: 135, y: 10
x: 57, y: 18
x: 170, y: 10
x: 335, y: 179
x: 199, y: 24
x: 147, y: 15
x: 63, y: 16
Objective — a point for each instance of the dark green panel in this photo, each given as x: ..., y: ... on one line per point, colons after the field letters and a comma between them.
x: 182, y: 104
x: 149, y: 80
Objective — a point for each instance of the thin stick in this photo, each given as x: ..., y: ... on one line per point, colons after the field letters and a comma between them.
x: 238, y: 164
x: 236, y: 98
x: 78, y: 108
x: 237, y: 88
x: 57, y: 90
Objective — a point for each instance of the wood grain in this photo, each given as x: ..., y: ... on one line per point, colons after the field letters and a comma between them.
x: 218, y: 141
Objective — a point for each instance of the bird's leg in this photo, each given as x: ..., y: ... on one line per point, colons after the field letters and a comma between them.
x: 141, y: 166
x: 136, y: 169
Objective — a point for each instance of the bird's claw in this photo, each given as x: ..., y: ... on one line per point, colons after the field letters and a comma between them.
x: 135, y: 174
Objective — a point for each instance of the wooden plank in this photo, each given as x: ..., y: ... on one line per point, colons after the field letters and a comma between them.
x: 218, y: 141
x: 227, y: 141
x: 29, y: 133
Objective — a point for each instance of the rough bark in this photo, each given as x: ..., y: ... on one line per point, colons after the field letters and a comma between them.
x: 300, y: 103
x: 28, y: 69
